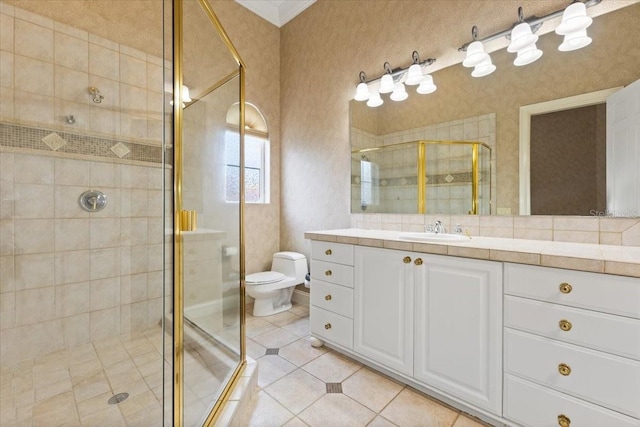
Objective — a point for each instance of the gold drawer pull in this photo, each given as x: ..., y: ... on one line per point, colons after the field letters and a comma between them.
x: 565, y: 325
x: 418, y: 261
x: 563, y: 421
x: 327, y: 326
x: 564, y: 369
x: 406, y: 260
x: 327, y: 297
x: 565, y: 288
x: 327, y: 273
x: 327, y: 252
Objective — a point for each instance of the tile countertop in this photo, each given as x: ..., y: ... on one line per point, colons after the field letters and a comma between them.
x: 621, y: 260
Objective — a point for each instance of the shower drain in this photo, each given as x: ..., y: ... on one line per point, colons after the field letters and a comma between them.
x: 118, y: 398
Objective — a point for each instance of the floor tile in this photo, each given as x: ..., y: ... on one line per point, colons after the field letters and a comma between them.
x: 332, y: 367
x: 380, y: 422
x: 276, y: 338
x: 271, y: 369
x: 256, y: 326
x: 296, y: 422
x: 299, y: 327
x: 336, y: 410
x: 300, y: 352
x: 255, y: 350
x: 281, y: 319
x: 264, y: 411
x: 371, y: 389
x: 412, y: 409
x: 297, y: 390
x: 467, y: 421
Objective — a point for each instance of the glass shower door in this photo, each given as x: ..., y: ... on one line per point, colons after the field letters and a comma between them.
x: 208, y: 243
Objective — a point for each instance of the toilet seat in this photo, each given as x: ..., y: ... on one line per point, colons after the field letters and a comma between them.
x: 264, y: 278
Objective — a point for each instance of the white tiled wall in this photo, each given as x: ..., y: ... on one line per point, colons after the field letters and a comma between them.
x: 47, y: 68
x: 68, y: 276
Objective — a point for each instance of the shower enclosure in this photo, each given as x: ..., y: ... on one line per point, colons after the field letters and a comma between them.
x: 424, y: 177
x: 109, y: 315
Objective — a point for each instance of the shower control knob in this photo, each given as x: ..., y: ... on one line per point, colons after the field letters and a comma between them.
x: 92, y: 201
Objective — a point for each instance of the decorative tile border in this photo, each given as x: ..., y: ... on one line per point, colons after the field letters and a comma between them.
x: 18, y: 136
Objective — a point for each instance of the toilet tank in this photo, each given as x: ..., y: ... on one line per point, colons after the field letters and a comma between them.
x: 290, y: 264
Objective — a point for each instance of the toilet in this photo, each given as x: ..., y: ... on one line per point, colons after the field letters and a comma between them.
x: 272, y: 290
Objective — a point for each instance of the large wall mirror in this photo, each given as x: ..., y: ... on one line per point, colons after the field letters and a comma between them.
x: 487, y: 110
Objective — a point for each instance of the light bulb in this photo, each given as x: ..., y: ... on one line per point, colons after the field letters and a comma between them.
x: 574, y: 19
x: 574, y: 41
x: 484, y: 68
x: 527, y: 55
x: 521, y: 37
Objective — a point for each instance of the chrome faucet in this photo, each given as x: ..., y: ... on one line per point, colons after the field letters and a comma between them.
x: 439, y: 228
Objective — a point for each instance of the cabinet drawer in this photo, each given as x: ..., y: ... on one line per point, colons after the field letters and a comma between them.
x: 331, y: 272
x: 531, y: 405
x: 332, y: 252
x: 600, y: 292
x: 331, y: 327
x: 335, y: 298
x: 601, y: 378
x: 613, y: 334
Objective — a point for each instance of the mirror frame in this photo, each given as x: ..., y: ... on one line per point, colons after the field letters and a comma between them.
x: 526, y: 111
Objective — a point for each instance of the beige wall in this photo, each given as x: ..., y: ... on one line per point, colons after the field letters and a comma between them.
x: 324, y: 48
x: 258, y: 43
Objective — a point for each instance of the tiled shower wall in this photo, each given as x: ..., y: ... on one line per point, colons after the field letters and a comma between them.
x: 48, y: 67
x: 68, y: 276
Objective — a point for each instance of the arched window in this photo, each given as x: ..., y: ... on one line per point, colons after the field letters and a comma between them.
x: 256, y: 156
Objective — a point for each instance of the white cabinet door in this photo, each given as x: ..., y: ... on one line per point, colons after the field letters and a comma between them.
x: 383, y: 307
x: 458, y: 327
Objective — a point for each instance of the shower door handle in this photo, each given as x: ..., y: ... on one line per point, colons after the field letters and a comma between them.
x: 188, y: 220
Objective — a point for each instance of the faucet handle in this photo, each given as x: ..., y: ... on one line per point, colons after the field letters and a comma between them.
x: 457, y: 229
x: 429, y: 228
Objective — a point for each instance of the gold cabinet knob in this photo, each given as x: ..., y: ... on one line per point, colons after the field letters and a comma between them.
x: 406, y: 260
x: 565, y: 288
x: 327, y: 297
x: 564, y: 369
x: 563, y: 421
x: 327, y: 326
x: 565, y: 325
x: 418, y: 261
x: 327, y: 273
x: 327, y: 252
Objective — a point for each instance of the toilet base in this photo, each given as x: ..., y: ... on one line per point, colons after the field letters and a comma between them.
x: 264, y: 307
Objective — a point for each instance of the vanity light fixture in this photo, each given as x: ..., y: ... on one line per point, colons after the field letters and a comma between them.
x: 477, y: 57
x: 394, y: 80
x: 186, y: 97
x: 523, y: 38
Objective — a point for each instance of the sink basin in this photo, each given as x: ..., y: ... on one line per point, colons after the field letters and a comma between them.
x: 434, y: 237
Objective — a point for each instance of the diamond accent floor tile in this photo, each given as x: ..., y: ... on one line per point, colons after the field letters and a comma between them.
x: 272, y: 351
x: 334, y: 387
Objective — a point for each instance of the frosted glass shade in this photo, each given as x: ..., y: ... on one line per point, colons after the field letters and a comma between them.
x: 527, y: 55
x: 521, y: 37
x: 427, y: 85
x: 185, y: 94
x: 574, y: 19
x: 475, y: 54
x: 374, y: 100
x: 362, y: 92
x: 484, y: 68
x: 386, y: 84
x: 399, y: 93
x: 574, y: 41
x: 414, y: 75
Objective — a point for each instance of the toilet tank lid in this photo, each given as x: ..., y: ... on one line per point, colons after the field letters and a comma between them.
x: 289, y: 255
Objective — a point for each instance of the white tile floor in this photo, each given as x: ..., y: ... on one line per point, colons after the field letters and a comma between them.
x: 292, y: 384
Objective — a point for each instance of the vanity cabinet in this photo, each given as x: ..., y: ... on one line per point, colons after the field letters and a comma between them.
x: 572, y: 347
x: 458, y: 328
x: 434, y: 318
x: 331, y: 300
x: 383, y: 307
